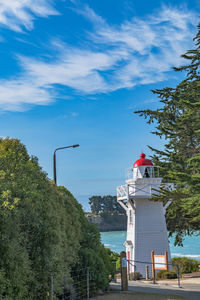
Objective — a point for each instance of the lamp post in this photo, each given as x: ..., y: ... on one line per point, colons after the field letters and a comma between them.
x: 54, y: 160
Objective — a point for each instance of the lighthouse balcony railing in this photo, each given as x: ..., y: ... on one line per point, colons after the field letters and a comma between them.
x: 129, y: 191
x: 122, y: 192
x: 142, y: 172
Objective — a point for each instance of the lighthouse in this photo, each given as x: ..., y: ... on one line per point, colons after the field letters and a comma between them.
x: 146, y: 225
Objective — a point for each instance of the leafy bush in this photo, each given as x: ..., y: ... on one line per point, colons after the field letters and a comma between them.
x: 164, y: 274
x: 135, y: 276
x: 115, y: 258
x: 187, y: 265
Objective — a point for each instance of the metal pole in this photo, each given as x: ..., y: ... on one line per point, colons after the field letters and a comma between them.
x: 54, y: 160
x: 179, y: 284
x: 114, y: 278
x: 63, y: 295
x: 134, y: 268
x: 51, y: 289
x: 88, y: 283
x: 54, y: 168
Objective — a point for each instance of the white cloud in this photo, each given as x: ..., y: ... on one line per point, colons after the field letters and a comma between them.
x: 153, y: 45
x: 19, y: 14
x: 139, y: 51
x: 17, y: 95
x: 90, y: 14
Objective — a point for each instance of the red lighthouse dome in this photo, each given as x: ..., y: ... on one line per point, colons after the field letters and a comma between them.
x: 142, y: 161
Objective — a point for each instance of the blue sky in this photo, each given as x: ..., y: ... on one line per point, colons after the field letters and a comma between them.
x: 74, y: 72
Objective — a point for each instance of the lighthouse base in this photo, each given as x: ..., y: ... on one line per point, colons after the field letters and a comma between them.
x: 146, y: 232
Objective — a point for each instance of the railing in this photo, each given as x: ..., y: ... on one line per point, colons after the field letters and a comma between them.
x: 78, y: 286
x: 135, y: 172
x: 81, y: 284
x: 122, y: 191
x: 131, y: 190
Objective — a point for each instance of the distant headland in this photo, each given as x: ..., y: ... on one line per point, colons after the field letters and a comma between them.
x: 106, y: 214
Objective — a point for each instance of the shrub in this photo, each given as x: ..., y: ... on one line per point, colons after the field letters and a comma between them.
x: 135, y: 276
x: 115, y: 257
x: 164, y: 274
x: 187, y: 265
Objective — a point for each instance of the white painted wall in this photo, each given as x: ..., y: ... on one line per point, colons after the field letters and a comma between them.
x: 150, y: 232
x: 146, y: 225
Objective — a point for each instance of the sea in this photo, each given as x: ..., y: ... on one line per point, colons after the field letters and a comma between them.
x: 191, y: 244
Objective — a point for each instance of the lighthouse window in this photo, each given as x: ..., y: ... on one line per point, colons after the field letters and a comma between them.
x: 147, y: 173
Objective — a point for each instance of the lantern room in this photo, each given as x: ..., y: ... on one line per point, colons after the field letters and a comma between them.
x: 144, y: 168
x: 142, y: 180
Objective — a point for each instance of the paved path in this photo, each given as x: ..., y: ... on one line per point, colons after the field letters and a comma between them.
x: 190, y: 288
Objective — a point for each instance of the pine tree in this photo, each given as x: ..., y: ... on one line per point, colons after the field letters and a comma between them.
x: 178, y: 122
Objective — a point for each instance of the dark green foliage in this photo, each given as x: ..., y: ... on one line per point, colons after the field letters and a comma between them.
x: 93, y: 255
x: 105, y: 204
x: 164, y: 274
x: 112, y: 214
x: 95, y: 204
x: 178, y: 123
x: 115, y: 257
x: 43, y: 230
x: 187, y: 265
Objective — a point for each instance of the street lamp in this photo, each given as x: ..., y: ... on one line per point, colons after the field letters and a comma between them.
x: 54, y: 160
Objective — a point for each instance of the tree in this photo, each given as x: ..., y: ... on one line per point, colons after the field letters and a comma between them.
x: 43, y: 230
x: 178, y: 123
x: 95, y: 203
x: 105, y: 204
x: 38, y: 225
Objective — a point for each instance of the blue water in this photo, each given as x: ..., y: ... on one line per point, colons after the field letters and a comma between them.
x: 191, y: 245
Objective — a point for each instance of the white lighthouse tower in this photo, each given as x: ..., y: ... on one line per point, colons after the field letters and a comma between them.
x: 146, y: 226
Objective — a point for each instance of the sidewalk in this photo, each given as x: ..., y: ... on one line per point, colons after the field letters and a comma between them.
x: 186, y: 283
x: 190, y: 288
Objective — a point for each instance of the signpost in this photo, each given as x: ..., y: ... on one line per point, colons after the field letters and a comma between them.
x: 159, y: 262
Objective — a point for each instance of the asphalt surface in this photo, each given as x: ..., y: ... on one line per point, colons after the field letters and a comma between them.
x: 188, y: 290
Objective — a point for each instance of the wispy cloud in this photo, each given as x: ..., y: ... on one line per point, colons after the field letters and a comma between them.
x: 148, y: 47
x: 139, y: 51
x: 20, y: 14
x: 18, y: 95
